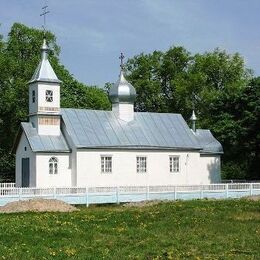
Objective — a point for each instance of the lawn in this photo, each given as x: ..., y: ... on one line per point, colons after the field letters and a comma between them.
x: 228, y: 229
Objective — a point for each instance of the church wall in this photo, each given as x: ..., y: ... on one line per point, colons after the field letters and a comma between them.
x: 40, y: 104
x: 73, y: 155
x: 33, y: 106
x: 24, y: 151
x: 56, y: 95
x: 124, y: 168
x: 46, y: 124
x: 124, y: 111
x: 45, y: 179
x: 210, y: 168
x: 48, y: 129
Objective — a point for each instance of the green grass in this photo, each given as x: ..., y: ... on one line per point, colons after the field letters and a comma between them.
x: 172, y: 230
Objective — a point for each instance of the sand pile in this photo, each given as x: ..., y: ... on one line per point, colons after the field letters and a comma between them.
x: 141, y: 204
x: 254, y: 197
x: 37, y: 205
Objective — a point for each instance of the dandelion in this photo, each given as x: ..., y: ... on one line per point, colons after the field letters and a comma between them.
x: 70, y: 251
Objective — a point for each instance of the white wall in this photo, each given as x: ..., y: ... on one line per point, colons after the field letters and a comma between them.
x: 210, y: 167
x: 33, y: 107
x: 44, y: 179
x: 83, y: 168
x: 124, y: 111
x: 193, y: 168
x: 24, y: 151
x: 48, y: 129
x: 40, y: 100
x: 73, y: 155
x: 41, y: 106
x: 43, y: 129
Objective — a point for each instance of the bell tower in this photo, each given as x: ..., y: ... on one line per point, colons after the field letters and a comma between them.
x: 44, y: 97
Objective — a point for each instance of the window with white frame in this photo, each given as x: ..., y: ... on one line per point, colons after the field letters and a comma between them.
x: 174, y: 164
x: 49, y: 95
x: 53, y: 165
x: 141, y: 164
x: 106, y: 164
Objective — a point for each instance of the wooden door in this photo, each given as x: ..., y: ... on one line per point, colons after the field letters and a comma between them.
x: 25, y: 172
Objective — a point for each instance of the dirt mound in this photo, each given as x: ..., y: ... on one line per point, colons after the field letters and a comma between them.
x: 254, y: 197
x: 142, y: 204
x: 37, y: 205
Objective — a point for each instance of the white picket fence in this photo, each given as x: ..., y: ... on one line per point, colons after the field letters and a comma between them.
x: 94, y: 195
x: 7, y: 185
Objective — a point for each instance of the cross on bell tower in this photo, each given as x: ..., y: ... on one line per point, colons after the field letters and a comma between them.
x: 45, y: 12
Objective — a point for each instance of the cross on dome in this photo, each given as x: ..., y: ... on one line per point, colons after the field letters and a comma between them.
x: 122, y: 91
x: 121, y: 57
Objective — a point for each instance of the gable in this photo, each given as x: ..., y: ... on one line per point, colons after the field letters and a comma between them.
x: 22, y: 143
x: 40, y: 143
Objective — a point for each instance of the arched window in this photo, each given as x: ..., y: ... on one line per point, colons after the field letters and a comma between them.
x: 53, y: 165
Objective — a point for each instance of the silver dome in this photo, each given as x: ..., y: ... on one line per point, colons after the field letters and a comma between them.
x: 193, y: 116
x: 122, y: 91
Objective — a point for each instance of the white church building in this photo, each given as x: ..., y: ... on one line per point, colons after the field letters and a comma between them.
x: 67, y: 147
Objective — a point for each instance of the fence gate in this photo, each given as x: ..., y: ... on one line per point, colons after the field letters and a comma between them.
x: 25, y: 172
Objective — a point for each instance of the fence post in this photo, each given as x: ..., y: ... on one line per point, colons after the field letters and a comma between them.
x: 19, y: 193
x: 251, y: 189
x: 87, y: 199
x: 226, y: 190
x: 175, y: 193
x: 117, y: 195
x: 147, y: 192
x: 201, y: 192
x: 54, y: 193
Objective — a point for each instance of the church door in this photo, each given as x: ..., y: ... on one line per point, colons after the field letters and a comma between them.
x: 25, y: 172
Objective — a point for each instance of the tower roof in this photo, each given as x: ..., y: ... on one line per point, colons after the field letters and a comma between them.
x: 44, y: 71
x: 122, y: 91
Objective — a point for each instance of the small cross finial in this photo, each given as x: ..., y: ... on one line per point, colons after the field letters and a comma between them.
x: 121, y: 57
x: 44, y: 16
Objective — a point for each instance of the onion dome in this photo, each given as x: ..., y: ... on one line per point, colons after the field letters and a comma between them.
x: 44, y: 71
x: 122, y: 91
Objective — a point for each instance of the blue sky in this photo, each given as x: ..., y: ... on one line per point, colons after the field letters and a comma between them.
x: 92, y: 33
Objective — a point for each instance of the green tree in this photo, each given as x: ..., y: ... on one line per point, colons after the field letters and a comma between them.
x: 144, y: 73
x: 238, y: 130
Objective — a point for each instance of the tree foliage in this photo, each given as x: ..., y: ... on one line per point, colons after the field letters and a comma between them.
x: 235, y: 120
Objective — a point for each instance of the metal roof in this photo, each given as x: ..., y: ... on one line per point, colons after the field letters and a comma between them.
x: 44, y: 143
x: 208, y: 142
x: 102, y: 129
x: 44, y: 71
